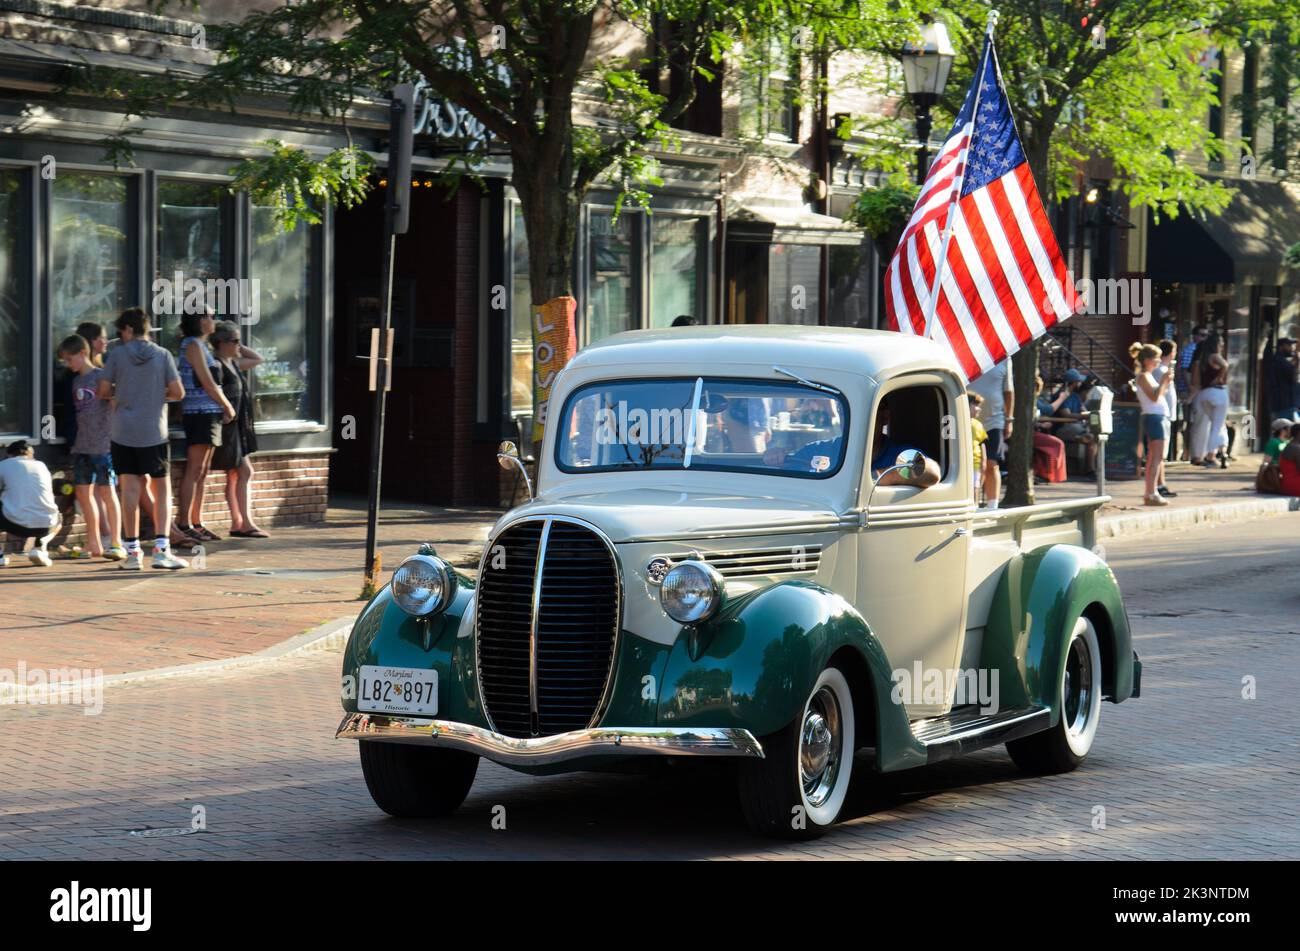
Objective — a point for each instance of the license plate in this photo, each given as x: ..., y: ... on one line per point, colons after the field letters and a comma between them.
x: 398, y: 690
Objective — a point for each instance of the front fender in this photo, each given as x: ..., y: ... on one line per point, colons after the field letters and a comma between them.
x: 385, y: 635
x: 1038, y: 600
x: 753, y: 667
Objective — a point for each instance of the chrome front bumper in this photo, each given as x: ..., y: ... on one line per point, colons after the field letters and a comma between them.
x: 543, y: 750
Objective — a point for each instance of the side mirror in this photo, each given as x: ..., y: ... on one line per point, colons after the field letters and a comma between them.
x: 912, y: 464
x: 507, y: 454
x: 508, y: 458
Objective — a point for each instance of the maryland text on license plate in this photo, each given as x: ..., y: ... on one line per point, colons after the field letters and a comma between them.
x: 398, y: 690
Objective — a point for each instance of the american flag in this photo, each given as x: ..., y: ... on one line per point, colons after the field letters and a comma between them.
x: 1002, y: 281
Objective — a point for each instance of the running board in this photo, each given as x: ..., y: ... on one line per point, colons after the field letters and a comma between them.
x: 966, y: 729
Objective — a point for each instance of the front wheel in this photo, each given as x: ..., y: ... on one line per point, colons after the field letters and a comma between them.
x: 797, y: 789
x: 416, y: 782
x: 1063, y: 747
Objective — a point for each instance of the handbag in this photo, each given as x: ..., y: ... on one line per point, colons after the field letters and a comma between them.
x: 1268, y: 479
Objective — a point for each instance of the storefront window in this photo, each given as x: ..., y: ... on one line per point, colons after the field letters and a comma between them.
x: 15, y: 304
x: 285, y: 333
x: 852, y: 286
x: 677, y: 268
x: 91, y: 278
x: 613, y: 271
x: 1237, y: 349
x: 521, y: 317
x: 793, y: 279
x: 191, y: 224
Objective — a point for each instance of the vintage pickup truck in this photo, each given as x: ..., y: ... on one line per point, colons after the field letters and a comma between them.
x: 752, y: 542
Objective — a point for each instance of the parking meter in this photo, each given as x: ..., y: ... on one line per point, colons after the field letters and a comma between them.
x: 1101, y: 423
x: 1101, y: 418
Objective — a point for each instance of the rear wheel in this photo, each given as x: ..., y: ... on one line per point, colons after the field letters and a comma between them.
x: 1063, y: 747
x: 416, y: 781
x: 797, y: 789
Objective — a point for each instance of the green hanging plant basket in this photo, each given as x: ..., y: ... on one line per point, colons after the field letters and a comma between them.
x: 884, y: 210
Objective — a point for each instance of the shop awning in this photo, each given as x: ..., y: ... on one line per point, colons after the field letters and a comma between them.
x: 1243, y: 244
x: 788, y: 224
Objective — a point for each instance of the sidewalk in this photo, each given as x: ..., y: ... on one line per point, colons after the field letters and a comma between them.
x: 251, y: 595
x: 1203, y: 495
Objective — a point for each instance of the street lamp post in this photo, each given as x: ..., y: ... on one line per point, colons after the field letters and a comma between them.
x: 926, y: 64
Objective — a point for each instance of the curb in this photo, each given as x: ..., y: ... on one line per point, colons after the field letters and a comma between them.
x: 332, y: 635
x: 1136, y: 523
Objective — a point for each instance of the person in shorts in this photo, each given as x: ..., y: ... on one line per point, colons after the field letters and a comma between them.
x: 203, y: 412
x: 92, y: 459
x: 141, y: 377
x: 997, y: 388
x: 27, y: 507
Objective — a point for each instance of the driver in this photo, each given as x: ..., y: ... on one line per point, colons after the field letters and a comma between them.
x: 821, y: 455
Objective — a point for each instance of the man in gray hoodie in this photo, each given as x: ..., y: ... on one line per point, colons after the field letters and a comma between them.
x: 141, y: 378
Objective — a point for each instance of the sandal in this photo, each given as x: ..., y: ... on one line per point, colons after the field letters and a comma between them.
x: 205, y: 533
x: 252, y: 533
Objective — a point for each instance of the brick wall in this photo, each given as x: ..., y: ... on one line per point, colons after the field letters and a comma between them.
x: 289, y: 488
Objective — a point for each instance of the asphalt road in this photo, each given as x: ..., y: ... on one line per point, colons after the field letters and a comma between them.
x: 1190, y: 770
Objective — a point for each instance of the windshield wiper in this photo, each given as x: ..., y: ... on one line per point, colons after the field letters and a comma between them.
x: 795, y: 376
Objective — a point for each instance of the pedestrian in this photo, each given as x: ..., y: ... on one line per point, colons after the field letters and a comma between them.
x: 997, y: 388
x: 141, y: 378
x: 1155, y: 413
x: 1281, y: 430
x: 92, y: 458
x: 1289, y: 463
x: 1049, y: 451
x: 1168, y: 360
x: 238, y: 438
x: 1280, y: 380
x: 27, y: 506
x: 978, y: 436
x: 1210, y: 397
x: 204, y: 411
x: 1184, y: 384
x: 93, y: 333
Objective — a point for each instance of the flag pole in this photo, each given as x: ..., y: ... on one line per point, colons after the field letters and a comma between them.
x: 933, y: 301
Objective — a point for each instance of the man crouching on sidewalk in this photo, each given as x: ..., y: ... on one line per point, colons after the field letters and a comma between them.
x: 141, y: 378
x: 27, y: 507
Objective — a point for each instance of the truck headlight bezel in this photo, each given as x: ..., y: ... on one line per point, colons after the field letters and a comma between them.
x: 691, y: 592
x: 423, y: 585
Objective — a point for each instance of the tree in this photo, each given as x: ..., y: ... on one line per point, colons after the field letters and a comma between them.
x: 519, y: 67
x: 1118, y: 79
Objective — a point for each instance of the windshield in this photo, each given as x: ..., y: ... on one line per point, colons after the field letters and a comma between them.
x: 703, y: 423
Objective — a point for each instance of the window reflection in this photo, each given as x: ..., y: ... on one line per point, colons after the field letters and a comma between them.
x: 285, y: 333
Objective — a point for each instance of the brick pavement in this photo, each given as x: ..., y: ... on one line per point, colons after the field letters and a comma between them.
x: 252, y: 594
x: 1189, y: 770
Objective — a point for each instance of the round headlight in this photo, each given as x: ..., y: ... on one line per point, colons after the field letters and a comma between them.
x: 423, y: 585
x: 691, y: 592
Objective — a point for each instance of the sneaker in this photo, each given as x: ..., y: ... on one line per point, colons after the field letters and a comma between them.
x: 165, y: 559
x: 134, y: 561
x: 39, y: 556
x: 4, y: 561
x: 80, y: 554
x: 1156, y: 499
x: 1167, y: 492
x: 115, y: 553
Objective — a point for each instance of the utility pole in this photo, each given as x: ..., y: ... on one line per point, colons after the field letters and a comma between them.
x: 397, y: 216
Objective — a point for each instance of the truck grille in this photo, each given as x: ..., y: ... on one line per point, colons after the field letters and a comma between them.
x: 547, y: 624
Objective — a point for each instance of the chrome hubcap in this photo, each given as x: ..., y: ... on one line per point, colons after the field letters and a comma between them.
x: 1078, y: 687
x: 820, y: 740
